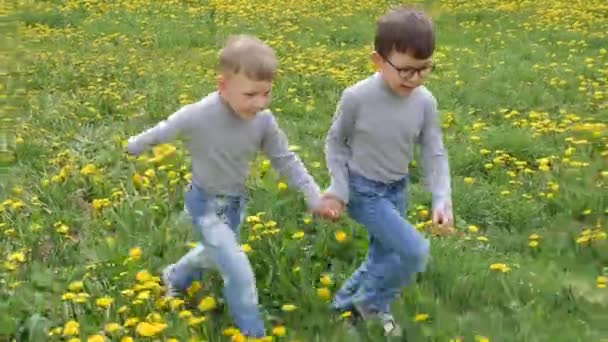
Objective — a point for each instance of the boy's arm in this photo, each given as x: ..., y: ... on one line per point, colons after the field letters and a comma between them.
x: 288, y: 164
x: 435, y: 158
x: 166, y: 130
x: 337, y: 148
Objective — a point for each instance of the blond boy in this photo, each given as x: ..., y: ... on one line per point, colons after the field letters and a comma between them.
x: 223, y: 132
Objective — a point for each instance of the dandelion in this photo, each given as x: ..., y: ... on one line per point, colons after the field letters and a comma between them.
x: 601, y: 282
x: 472, y: 229
x: 346, y: 314
x: 17, y: 257
x: 134, y: 253
x: 95, y: 338
x: 279, y: 331
x: 340, y: 236
x: 71, y: 328
x: 422, y: 317
x: 323, y: 293
x: 325, y: 280
x: 89, y: 169
x: 298, y: 235
x: 288, y: 307
x: 104, y: 302
x: 500, y: 267
x: 112, y: 327
x: 143, y: 276
x: 282, y: 186
x: 147, y: 329
x: 76, y: 286
x: 206, y: 304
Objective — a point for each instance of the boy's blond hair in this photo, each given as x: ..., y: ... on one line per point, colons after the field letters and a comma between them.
x: 248, y: 55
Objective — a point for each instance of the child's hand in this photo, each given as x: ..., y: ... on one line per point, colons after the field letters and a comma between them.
x: 133, y: 148
x: 331, y: 207
x: 442, y: 214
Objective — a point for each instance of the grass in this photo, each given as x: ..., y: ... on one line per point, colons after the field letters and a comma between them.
x: 523, y: 91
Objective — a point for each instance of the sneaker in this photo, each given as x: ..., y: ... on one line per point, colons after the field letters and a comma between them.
x: 170, y: 290
x: 391, y: 328
x: 386, y: 319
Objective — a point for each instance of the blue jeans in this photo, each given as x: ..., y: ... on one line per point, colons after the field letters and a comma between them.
x: 217, y: 219
x: 396, y: 249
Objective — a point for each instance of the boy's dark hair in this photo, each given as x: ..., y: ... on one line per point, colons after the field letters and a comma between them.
x: 405, y: 30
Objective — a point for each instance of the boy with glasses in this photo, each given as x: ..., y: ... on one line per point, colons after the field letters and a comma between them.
x: 369, y: 146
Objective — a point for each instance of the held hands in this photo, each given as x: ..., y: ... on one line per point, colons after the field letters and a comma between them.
x: 330, y: 207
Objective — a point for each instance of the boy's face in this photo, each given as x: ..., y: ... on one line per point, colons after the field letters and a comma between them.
x: 402, y: 72
x: 244, y: 95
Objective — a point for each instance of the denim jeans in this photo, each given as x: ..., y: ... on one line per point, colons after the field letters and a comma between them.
x: 217, y: 219
x: 396, y: 249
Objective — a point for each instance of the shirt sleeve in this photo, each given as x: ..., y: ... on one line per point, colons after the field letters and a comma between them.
x: 178, y: 123
x: 288, y: 164
x: 337, y: 146
x: 434, y: 156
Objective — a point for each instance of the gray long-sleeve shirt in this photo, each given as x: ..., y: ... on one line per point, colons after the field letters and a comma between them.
x: 374, y: 132
x: 222, y: 145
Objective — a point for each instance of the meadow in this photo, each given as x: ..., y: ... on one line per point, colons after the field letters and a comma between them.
x: 522, y: 87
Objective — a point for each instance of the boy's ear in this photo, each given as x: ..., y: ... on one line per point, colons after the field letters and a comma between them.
x: 376, y: 59
x: 221, y: 82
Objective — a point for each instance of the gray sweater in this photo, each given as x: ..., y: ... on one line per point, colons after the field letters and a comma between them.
x: 221, y: 146
x: 374, y: 132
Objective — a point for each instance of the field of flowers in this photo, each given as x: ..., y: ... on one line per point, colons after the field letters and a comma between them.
x: 85, y: 230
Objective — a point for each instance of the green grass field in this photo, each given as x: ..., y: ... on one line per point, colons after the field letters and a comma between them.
x: 85, y: 230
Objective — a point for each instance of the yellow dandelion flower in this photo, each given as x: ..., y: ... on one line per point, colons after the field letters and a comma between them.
x: 323, y: 293
x: 279, y: 331
x: 422, y: 317
x: 500, y: 267
x: 112, y: 327
x: 96, y: 338
x: 131, y: 322
x: 135, y: 253
x: 288, y: 307
x: 194, y: 320
x: 207, y: 303
x: 71, y: 328
x: 184, y: 314
x: 147, y: 329
x: 89, y: 169
x: 143, y: 276
x: 325, y: 280
x: 104, y: 302
x: 230, y: 331
x: 340, y: 236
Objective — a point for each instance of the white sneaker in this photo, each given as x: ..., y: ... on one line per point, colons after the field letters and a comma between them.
x: 386, y: 319
x: 170, y: 290
x: 391, y: 328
